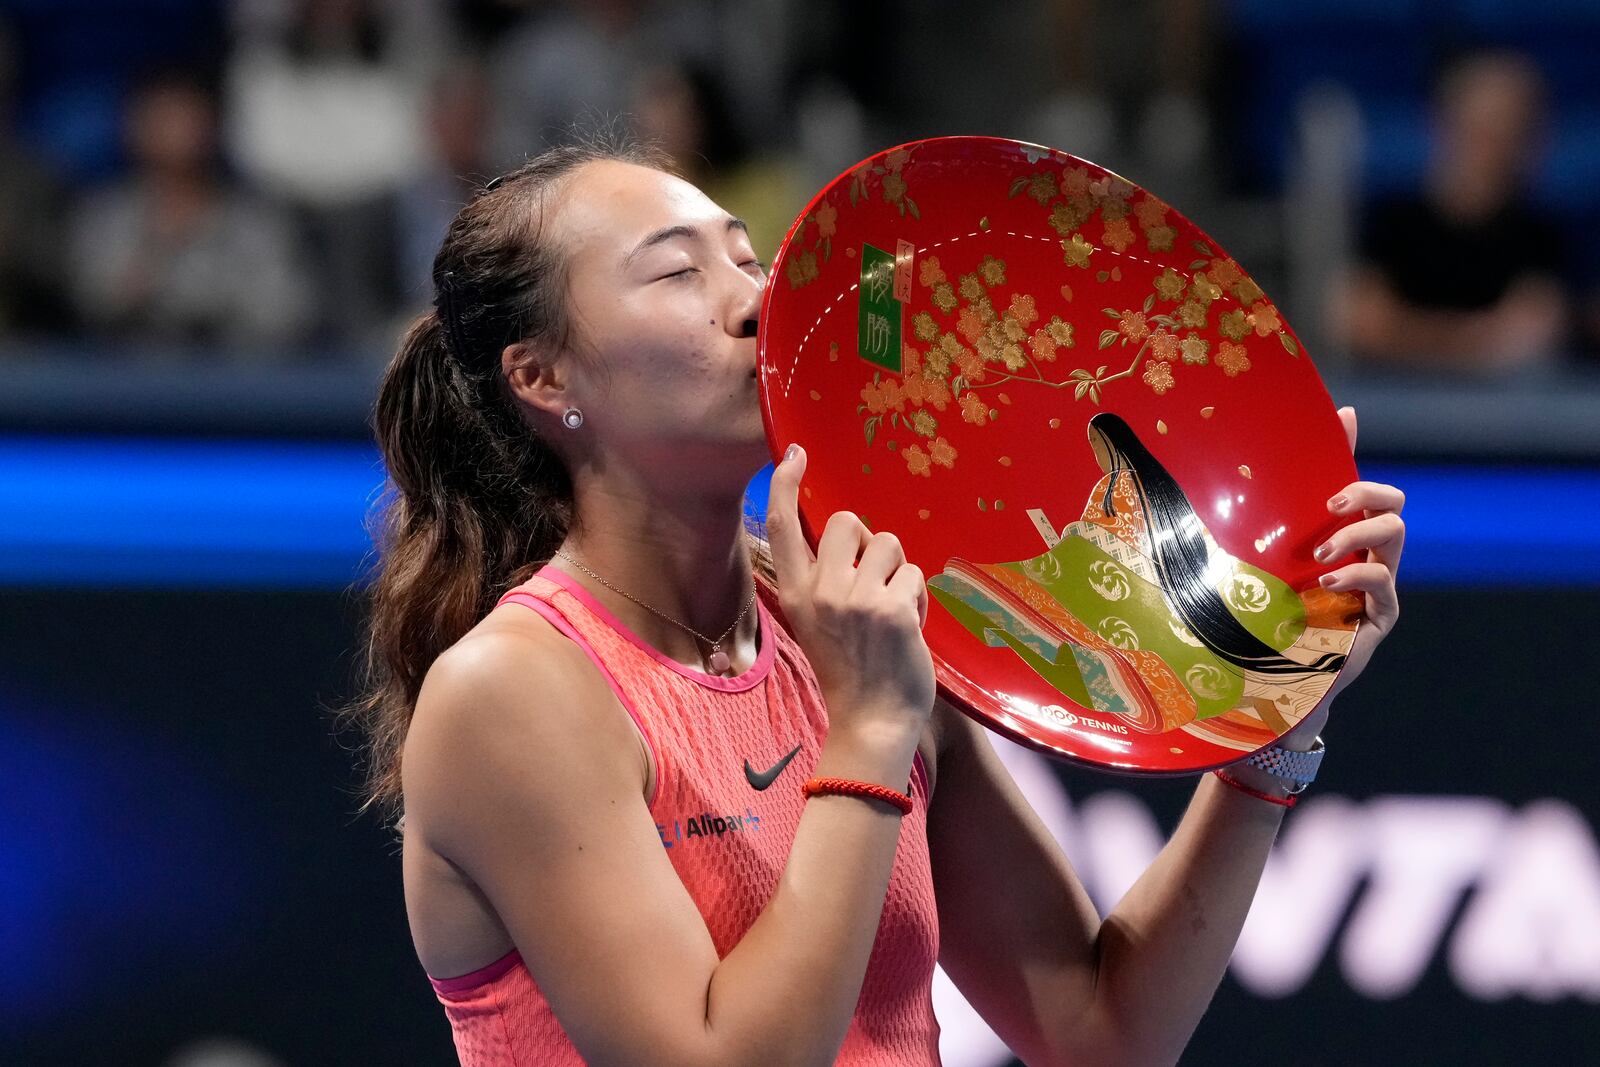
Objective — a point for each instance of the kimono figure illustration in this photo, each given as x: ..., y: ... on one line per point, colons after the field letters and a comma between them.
x: 1136, y: 612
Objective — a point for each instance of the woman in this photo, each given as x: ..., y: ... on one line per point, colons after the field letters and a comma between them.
x: 607, y: 854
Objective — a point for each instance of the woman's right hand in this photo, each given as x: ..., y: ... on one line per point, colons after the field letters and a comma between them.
x: 857, y: 608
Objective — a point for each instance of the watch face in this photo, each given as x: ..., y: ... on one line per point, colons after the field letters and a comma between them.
x: 1098, y: 438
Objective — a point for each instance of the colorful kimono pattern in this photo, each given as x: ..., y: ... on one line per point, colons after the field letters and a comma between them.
x: 1089, y: 616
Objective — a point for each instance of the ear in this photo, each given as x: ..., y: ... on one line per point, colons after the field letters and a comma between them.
x: 536, y: 377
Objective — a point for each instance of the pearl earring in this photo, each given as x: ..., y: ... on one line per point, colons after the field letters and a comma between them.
x: 573, y: 418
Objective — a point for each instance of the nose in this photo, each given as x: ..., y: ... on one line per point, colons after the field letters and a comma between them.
x: 744, y: 313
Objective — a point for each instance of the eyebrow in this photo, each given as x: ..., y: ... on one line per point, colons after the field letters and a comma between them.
x: 669, y: 233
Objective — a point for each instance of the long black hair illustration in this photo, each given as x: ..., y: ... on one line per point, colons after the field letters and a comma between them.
x: 1181, y: 555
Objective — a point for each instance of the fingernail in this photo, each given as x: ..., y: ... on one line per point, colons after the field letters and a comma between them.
x: 1323, y: 551
x: 1338, y: 502
x: 789, y: 452
x: 1327, y: 580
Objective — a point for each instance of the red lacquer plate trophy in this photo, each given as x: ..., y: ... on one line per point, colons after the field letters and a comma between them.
x: 1094, y: 433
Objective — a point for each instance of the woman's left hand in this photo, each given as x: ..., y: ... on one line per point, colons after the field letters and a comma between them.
x: 1382, y: 534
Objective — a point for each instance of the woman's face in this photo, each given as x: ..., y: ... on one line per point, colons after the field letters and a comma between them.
x: 663, y: 292
x: 1101, y: 448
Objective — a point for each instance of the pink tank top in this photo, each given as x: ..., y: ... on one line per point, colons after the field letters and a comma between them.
x: 727, y: 840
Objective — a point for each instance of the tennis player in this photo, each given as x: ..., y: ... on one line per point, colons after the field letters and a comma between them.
x: 667, y: 799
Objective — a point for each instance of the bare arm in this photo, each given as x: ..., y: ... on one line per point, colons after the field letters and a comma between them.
x: 1020, y: 937
x: 539, y: 798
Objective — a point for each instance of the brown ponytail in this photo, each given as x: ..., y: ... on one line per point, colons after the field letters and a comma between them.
x: 475, y: 501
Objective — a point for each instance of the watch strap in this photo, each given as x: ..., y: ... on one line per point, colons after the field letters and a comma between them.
x: 1297, y: 769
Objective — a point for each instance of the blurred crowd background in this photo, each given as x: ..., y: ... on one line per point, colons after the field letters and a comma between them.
x: 216, y: 216
x: 267, y: 180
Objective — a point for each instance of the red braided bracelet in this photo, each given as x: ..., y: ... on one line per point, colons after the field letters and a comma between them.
x: 849, y: 787
x: 1282, y: 802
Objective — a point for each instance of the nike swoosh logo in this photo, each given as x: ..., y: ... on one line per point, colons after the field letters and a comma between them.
x: 760, y: 780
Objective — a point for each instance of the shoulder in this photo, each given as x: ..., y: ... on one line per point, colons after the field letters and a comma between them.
x: 512, y: 714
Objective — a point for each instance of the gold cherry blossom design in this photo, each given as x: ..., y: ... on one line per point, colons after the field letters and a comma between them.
x: 943, y: 453
x: 924, y: 327
x: 970, y: 288
x: 1042, y: 187
x: 1160, y: 238
x: 1192, y: 315
x: 1076, y: 251
x: 992, y: 270
x: 1022, y: 309
x: 914, y: 387
x: 973, y: 409
x: 1264, y: 318
x: 1203, y: 290
x: 971, y: 367
x: 1225, y: 272
x: 1170, y: 285
x: 1150, y: 212
x: 802, y: 269
x: 944, y: 297
x: 924, y: 423
x: 1194, y: 348
x: 894, y: 187
x: 1232, y: 359
x: 969, y: 324
x: 1233, y: 325
x: 1067, y: 216
x: 1158, y: 376
x: 1117, y: 234
x: 1132, y: 325
x: 918, y: 461
x: 930, y: 273
x: 1074, y: 181
x: 1163, y: 345
x: 827, y: 218
x: 897, y: 160
x: 1247, y: 292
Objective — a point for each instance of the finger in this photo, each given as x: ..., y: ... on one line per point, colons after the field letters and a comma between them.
x: 908, y: 581
x: 791, y: 556
x: 881, y: 559
x: 1367, y: 496
x: 1372, y: 579
x: 1347, y: 416
x: 842, y: 542
x: 1384, y: 535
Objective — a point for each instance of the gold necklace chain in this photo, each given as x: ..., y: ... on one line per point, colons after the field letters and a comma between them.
x: 719, y: 659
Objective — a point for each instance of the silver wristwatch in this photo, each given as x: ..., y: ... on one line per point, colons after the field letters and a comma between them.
x: 1296, y: 769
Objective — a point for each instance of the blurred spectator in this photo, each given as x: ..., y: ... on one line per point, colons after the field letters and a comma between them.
x: 324, y: 99
x: 683, y: 110
x: 1149, y: 119
x: 30, y: 213
x: 574, y: 63
x: 456, y: 161
x: 1464, y: 278
x: 174, y: 255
